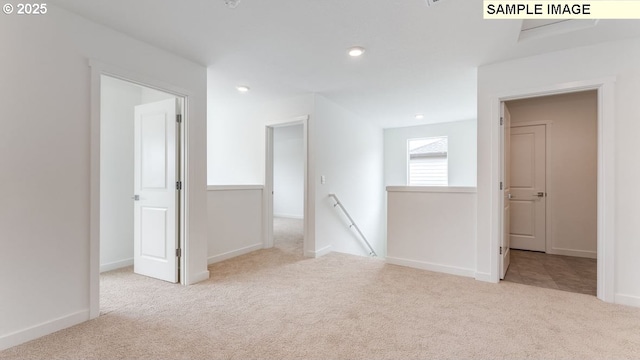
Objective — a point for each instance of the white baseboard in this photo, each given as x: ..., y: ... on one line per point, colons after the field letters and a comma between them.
x: 116, y: 265
x: 231, y: 254
x: 199, y: 277
x: 571, y: 252
x: 447, y: 269
x: 289, y: 216
x: 42, y: 329
x: 486, y: 277
x: 629, y: 300
x: 318, y: 253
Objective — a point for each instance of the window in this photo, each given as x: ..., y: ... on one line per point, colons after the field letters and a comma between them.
x: 428, y: 164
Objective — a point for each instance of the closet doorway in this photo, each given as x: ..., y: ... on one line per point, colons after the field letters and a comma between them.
x: 551, y: 191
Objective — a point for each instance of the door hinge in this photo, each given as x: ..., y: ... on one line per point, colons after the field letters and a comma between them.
x: 500, y: 185
x: 178, y: 252
x: 179, y: 118
x: 178, y: 185
x: 501, y: 120
x: 500, y: 250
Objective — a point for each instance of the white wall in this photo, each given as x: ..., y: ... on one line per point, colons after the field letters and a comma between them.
x: 462, y: 154
x: 234, y: 221
x: 236, y: 135
x: 572, y: 167
x: 348, y: 151
x: 288, y: 171
x: 151, y: 95
x: 432, y: 228
x: 118, y: 100
x: 45, y: 161
x: 619, y: 59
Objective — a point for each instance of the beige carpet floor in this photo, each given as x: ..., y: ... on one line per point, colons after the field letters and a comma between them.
x: 288, y: 235
x: 275, y: 304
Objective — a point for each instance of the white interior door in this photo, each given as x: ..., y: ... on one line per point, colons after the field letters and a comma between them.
x: 505, y: 248
x: 528, y: 188
x: 156, y: 194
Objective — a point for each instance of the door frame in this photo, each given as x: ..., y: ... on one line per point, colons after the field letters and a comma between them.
x: 98, y: 69
x: 505, y: 182
x: 267, y: 195
x: 606, y: 174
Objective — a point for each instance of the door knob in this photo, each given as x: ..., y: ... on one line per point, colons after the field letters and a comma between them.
x: 135, y: 197
x: 540, y: 194
x: 509, y: 196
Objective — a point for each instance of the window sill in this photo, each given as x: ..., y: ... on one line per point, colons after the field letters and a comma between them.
x: 234, y: 187
x: 433, y: 189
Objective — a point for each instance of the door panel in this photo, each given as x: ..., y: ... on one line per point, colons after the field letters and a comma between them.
x: 153, y: 145
x: 523, y: 218
x: 523, y: 150
x: 528, y: 188
x: 156, y: 173
x: 153, y: 224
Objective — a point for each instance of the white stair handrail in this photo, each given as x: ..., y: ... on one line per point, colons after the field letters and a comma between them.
x: 353, y: 223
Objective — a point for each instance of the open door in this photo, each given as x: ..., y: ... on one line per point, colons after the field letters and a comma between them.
x: 156, y: 189
x: 505, y: 250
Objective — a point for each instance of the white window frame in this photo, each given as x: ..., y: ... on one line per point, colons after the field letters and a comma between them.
x: 446, y: 161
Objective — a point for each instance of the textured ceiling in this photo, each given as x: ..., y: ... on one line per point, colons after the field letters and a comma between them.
x: 419, y: 58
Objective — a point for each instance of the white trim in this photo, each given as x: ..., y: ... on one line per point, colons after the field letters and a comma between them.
x: 201, y: 276
x: 606, y: 191
x: 606, y: 176
x: 116, y: 265
x: 42, y: 329
x: 318, y: 253
x: 571, y: 252
x: 433, y: 189
x: 549, y: 189
x: 94, y: 193
x: 531, y: 123
x: 288, y: 122
x: 231, y: 254
x: 267, y: 194
x: 98, y: 69
x: 137, y: 78
x: 629, y: 300
x: 234, y: 187
x: 424, y: 265
x: 481, y: 276
x: 289, y: 216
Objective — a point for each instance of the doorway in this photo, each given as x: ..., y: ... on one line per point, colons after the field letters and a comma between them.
x: 286, y: 187
x: 141, y: 150
x: 551, y: 190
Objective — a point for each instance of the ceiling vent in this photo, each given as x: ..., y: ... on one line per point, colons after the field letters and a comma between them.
x: 431, y: 2
x: 537, y: 28
x: 231, y: 4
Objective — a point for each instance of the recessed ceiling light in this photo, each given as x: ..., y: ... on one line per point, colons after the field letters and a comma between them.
x: 242, y: 88
x: 356, y: 51
x: 419, y: 116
